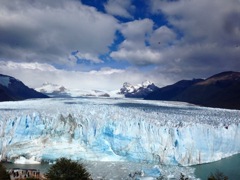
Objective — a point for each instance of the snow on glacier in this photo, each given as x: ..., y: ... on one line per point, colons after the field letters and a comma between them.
x: 104, y: 129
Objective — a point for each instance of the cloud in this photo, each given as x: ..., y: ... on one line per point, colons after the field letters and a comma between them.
x: 107, y: 71
x: 85, y: 56
x: 140, y: 57
x: 199, y: 38
x: 28, y: 66
x: 35, y: 74
x: 207, y: 36
x: 120, y: 8
x: 196, y: 24
x: 134, y: 49
x: 162, y: 37
x: 48, y: 31
x: 137, y: 31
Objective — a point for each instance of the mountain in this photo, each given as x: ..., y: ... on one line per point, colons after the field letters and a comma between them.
x: 172, y: 91
x: 138, y: 91
x: 53, y: 90
x: 220, y: 90
x: 12, y: 89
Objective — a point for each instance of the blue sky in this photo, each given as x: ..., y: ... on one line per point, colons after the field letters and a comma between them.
x: 94, y: 44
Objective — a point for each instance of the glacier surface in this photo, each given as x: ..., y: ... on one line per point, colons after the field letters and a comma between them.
x: 103, y: 129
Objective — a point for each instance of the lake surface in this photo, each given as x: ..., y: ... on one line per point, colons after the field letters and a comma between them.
x: 229, y: 166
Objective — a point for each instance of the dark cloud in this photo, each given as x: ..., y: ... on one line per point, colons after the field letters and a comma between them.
x: 231, y: 25
x: 210, y: 34
x: 49, y: 30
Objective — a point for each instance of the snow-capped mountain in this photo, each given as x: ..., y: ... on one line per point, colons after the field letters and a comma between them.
x: 128, y: 90
x: 12, y: 89
x: 53, y: 90
x: 139, y: 90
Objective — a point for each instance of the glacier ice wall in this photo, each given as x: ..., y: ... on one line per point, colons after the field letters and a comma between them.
x: 117, y: 130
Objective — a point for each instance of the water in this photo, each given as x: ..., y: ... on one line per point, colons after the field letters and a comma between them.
x: 229, y: 166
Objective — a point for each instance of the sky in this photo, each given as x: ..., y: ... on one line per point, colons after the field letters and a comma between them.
x: 100, y: 44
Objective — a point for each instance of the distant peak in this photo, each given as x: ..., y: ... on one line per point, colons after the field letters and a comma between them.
x: 146, y: 83
x: 139, y: 90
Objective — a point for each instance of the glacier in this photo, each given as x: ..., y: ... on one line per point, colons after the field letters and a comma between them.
x: 105, y: 129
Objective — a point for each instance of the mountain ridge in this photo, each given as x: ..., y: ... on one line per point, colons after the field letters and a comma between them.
x: 12, y: 89
x: 138, y: 91
x: 220, y: 91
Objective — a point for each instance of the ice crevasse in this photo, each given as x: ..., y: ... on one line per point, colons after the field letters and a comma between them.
x: 117, y: 130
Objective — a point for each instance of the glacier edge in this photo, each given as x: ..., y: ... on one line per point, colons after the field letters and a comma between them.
x: 117, y: 130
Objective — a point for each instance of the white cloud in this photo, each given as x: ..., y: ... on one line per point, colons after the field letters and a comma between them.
x: 162, y: 37
x: 137, y: 30
x: 88, y: 57
x: 34, y: 74
x: 28, y: 66
x: 133, y: 49
x: 140, y: 57
x: 121, y: 8
x: 106, y: 71
x: 49, y: 30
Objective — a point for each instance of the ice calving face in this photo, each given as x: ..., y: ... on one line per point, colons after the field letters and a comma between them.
x: 117, y: 130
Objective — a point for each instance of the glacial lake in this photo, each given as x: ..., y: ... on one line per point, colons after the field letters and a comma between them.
x: 229, y: 166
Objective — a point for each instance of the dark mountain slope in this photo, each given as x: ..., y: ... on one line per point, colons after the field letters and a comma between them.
x: 221, y: 90
x: 172, y: 91
x: 12, y: 89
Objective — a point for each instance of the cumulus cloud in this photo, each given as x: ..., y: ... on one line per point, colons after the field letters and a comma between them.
x: 122, y: 8
x: 49, y: 30
x: 134, y: 49
x: 137, y: 32
x: 192, y: 44
x: 162, y: 37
